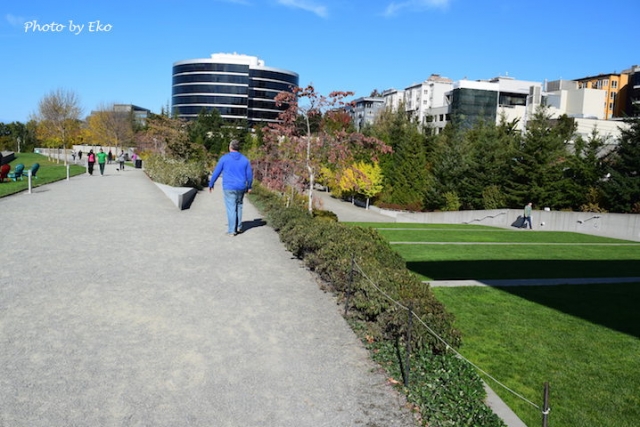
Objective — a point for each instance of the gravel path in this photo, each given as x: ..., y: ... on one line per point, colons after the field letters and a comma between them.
x: 118, y: 309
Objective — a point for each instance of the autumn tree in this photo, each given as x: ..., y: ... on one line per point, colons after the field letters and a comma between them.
x: 170, y: 137
x: 58, y: 118
x: 299, y: 152
x: 362, y: 178
x: 109, y: 126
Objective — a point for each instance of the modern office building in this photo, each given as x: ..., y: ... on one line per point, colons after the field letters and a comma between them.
x: 240, y: 87
x: 138, y: 114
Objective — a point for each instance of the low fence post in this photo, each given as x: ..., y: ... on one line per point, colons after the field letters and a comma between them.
x: 349, y: 285
x: 29, y: 178
x: 545, y: 405
x: 407, y: 364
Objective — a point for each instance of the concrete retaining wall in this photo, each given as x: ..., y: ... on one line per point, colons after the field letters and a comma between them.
x: 620, y: 226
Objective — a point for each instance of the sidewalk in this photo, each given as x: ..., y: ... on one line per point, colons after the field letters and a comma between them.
x: 118, y: 309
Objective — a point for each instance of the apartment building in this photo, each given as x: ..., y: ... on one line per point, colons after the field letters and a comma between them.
x: 614, y: 85
x: 365, y: 110
x: 421, y: 97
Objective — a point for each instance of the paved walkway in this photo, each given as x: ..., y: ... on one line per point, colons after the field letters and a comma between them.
x: 118, y: 309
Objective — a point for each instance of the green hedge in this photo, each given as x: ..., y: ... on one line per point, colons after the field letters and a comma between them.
x: 445, y: 390
x: 328, y: 248
x: 176, y: 173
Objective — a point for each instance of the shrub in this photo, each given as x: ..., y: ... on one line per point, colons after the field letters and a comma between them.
x: 329, y: 248
x: 445, y: 389
x: 493, y: 197
x: 176, y: 173
x: 451, y: 201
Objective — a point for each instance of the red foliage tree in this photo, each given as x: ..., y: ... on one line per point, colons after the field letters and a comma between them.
x: 307, y: 137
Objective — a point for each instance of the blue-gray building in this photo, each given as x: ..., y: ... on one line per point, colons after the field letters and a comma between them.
x: 240, y: 87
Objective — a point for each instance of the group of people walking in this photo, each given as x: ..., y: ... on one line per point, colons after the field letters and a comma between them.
x: 102, y: 158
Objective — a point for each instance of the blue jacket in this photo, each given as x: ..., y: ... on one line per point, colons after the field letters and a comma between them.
x: 236, y: 171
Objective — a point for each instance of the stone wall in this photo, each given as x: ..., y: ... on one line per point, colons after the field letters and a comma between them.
x: 620, y: 226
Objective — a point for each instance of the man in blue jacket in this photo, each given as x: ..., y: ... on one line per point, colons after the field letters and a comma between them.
x: 237, y: 179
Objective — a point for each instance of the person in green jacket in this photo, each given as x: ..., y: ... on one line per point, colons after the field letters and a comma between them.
x: 102, y: 160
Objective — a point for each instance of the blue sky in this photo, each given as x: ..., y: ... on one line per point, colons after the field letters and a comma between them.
x: 356, y: 45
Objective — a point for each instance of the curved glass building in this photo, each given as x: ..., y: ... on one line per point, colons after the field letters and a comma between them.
x: 240, y: 87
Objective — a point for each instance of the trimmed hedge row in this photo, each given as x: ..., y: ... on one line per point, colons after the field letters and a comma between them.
x: 176, y: 173
x: 328, y: 248
x: 442, y: 388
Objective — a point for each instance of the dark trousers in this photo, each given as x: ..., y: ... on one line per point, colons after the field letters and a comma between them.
x: 91, y: 167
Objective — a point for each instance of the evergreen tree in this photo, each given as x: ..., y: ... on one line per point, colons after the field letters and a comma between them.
x: 622, y: 188
x: 449, y: 164
x: 404, y: 170
x: 491, y: 152
x: 582, y: 173
x: 538, y: 166
x: 207, y: 130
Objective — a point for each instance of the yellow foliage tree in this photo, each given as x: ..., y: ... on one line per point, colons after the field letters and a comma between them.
x: 362, y: 178
x: 110, y: 127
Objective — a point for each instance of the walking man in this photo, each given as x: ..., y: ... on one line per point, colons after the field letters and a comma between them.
x: 237, y: 179
x: 527, y: 216
x: 102, y: 159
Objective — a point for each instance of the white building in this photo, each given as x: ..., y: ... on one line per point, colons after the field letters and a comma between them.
x: 419, y: 98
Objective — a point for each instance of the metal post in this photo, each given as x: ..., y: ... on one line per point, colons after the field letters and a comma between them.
x: 349, y: 286
x: 68, y: 172
x: 545, y: 405
x: 407, y: 364
x: 29, y: 177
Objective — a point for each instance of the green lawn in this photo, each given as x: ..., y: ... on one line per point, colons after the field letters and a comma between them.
x: 583, y: 339
x: 50, y: 171
x: 457, y: 252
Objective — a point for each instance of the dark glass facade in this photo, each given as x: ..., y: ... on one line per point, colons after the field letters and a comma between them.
x: 470, y: 105
x: 239, y: 91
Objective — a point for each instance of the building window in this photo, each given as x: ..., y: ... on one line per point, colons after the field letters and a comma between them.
x: 611, y: 106
x: 605, y: 83
x: 614, y: 84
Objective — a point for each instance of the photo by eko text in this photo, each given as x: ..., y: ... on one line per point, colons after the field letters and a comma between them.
x: 56, y: 27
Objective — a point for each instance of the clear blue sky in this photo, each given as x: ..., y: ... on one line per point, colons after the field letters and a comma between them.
x: 356, y: 45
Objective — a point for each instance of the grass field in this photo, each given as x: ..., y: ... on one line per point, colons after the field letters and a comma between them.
x: 455, y: 252
x: 583, y: 339
x: 50, y: 171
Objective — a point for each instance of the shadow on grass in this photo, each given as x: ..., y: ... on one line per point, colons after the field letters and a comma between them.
x: 524, y: 269
x: 613, y: 305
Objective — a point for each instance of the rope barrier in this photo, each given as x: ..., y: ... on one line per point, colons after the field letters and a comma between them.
x: 439, y: 338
